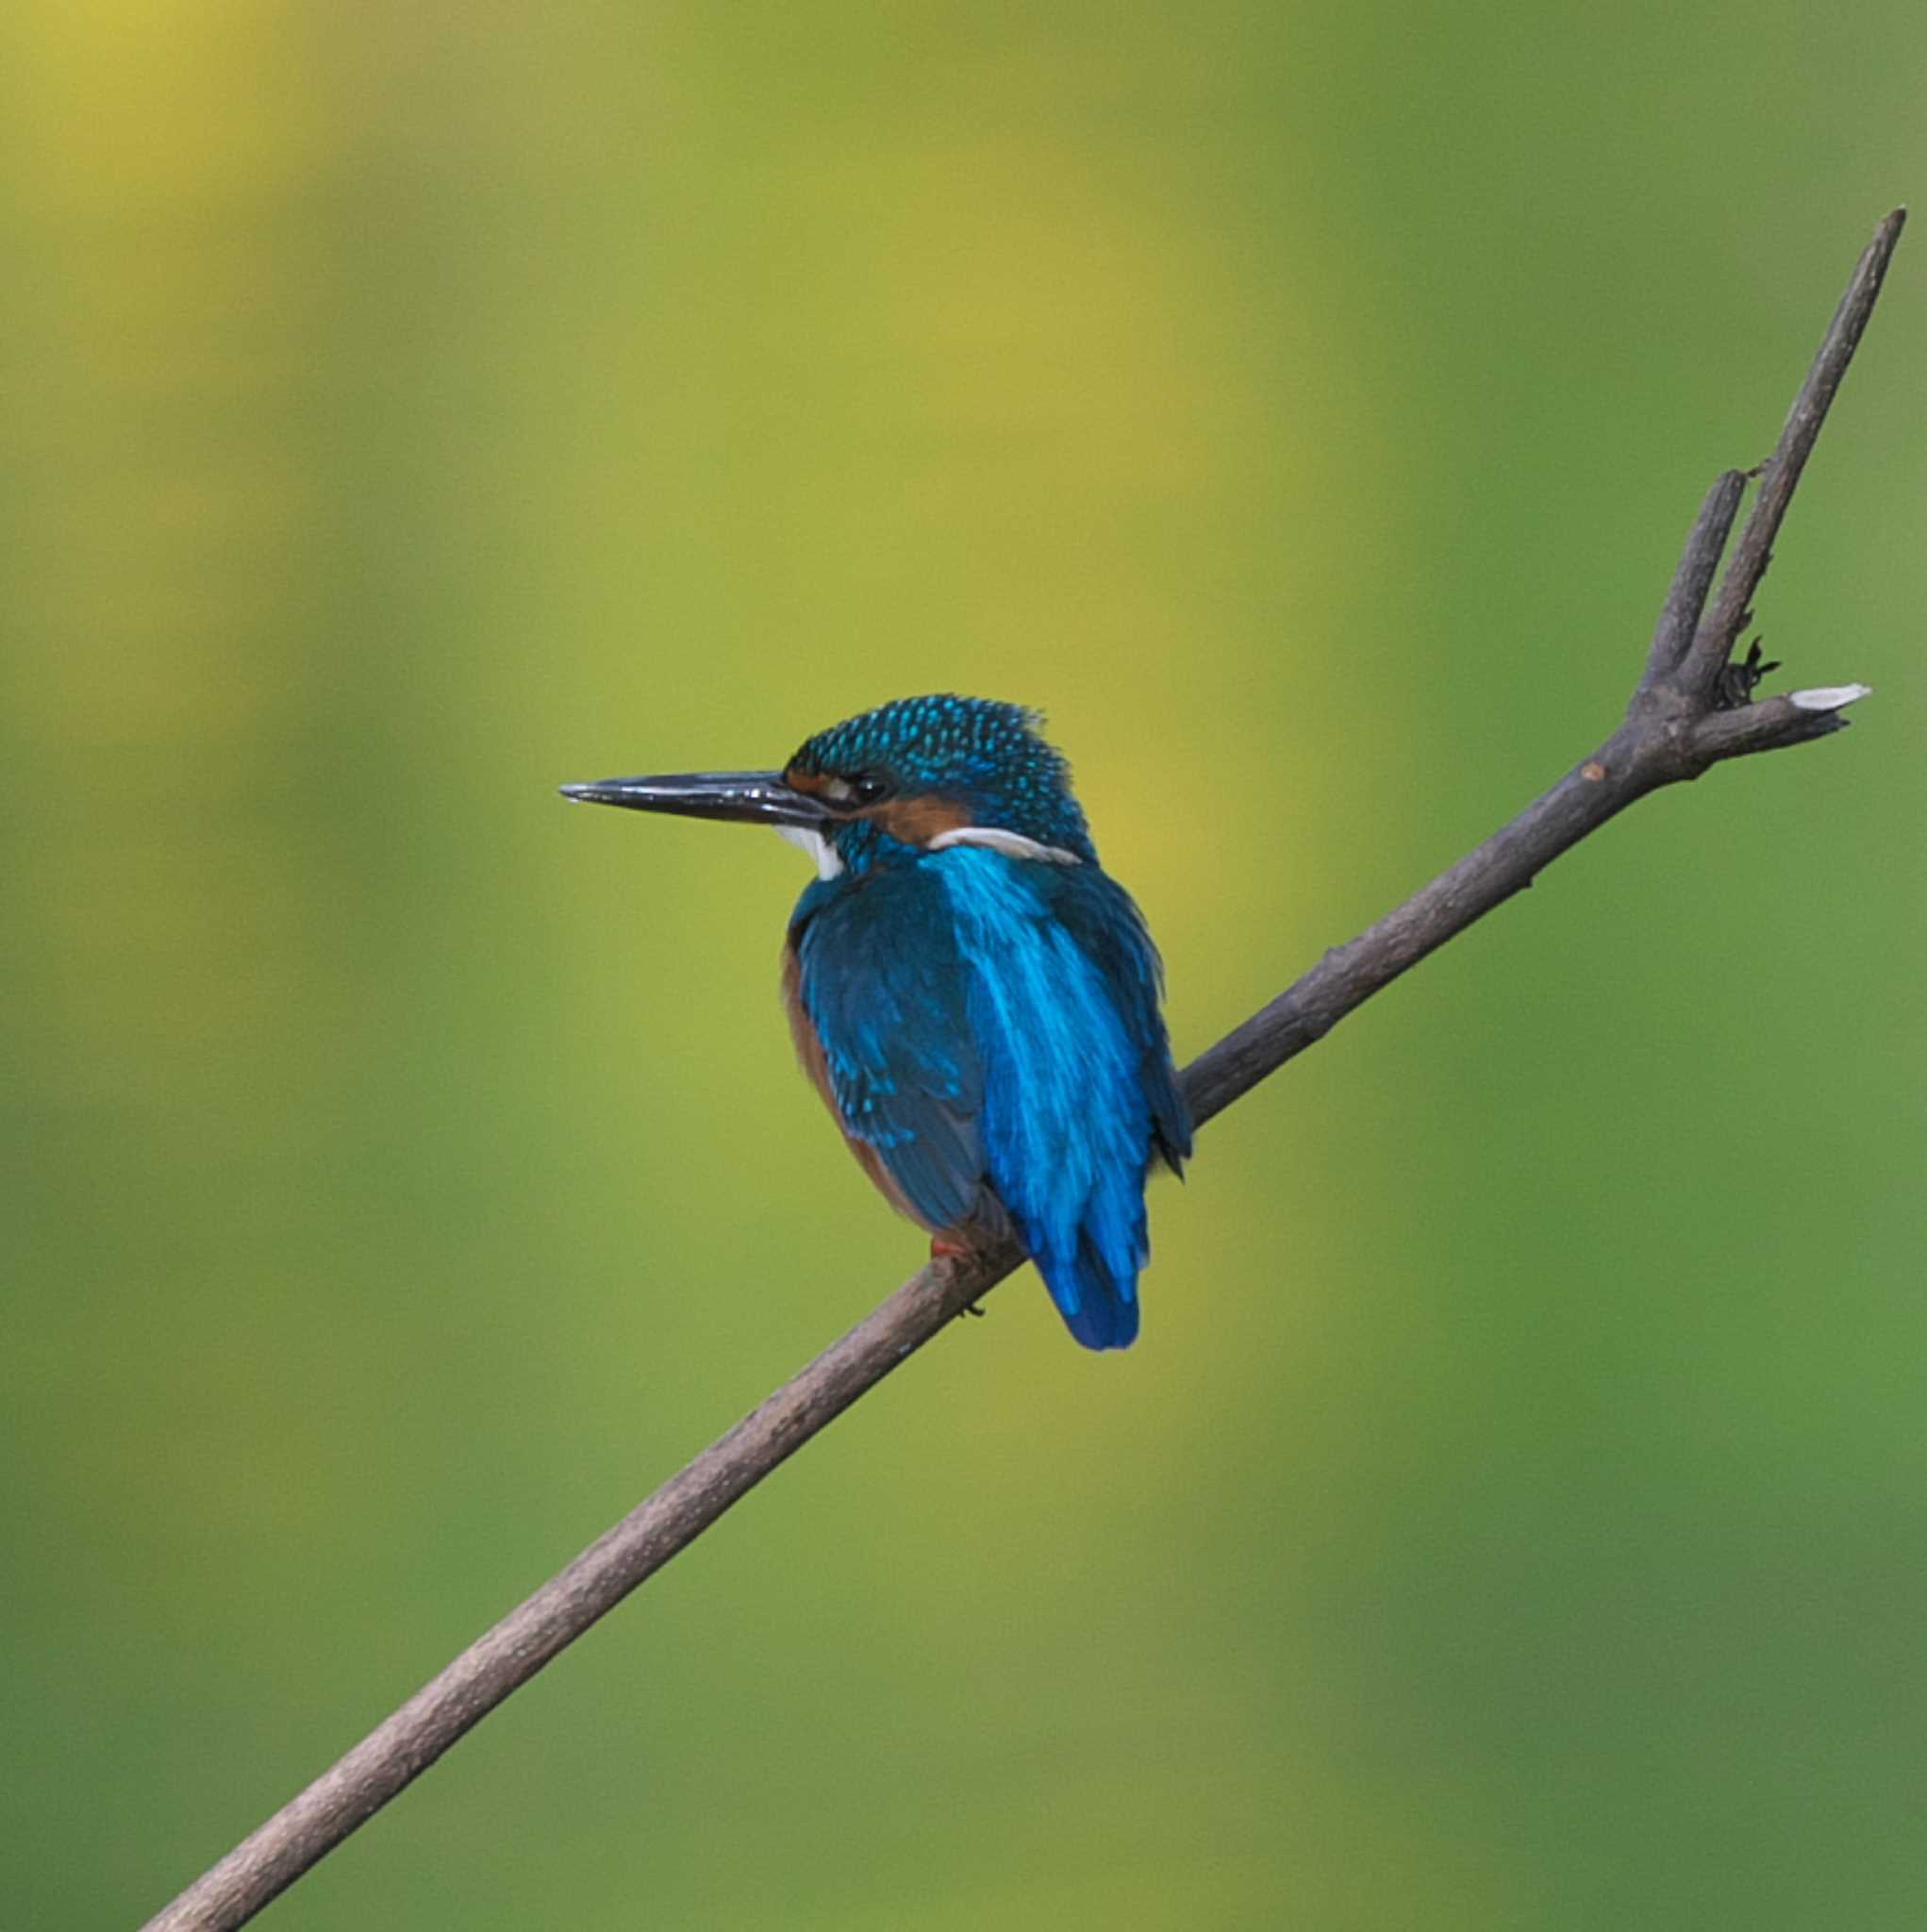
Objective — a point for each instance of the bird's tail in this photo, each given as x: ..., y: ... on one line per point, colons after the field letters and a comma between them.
x: 1096, y: 1291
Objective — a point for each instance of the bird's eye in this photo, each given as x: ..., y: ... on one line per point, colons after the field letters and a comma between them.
x: 867, y: 789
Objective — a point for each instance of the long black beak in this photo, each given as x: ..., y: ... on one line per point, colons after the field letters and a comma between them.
x: 756, y: 798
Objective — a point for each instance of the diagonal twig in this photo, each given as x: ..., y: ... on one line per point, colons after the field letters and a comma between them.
x: 1675, y: 730
x: 1780, y: 474
x: 1694, y: 578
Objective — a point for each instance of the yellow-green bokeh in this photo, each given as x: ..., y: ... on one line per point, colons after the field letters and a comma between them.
x: 1513, y: 1515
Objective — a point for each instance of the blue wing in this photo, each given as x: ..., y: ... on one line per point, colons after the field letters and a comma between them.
x: 1062, y: 992
x: 1105, y: 922
x: 881, y: 982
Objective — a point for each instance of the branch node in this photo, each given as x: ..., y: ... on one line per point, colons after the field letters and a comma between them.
x: 1736, y: 683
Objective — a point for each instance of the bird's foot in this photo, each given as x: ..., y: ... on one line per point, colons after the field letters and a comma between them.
x: 944, y: 1247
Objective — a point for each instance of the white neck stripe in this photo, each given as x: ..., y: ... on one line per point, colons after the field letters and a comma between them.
x: 1013, y: 843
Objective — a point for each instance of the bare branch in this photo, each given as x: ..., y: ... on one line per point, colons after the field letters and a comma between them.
x: 1694, y: 577
x: 1798, y: 718
x: 393, y: 1755
x: 1674, y: 730
x: 1780, y: 474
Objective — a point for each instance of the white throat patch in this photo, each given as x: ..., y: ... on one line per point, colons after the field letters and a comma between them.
x: 828, y: 864
x: 1012, y: 844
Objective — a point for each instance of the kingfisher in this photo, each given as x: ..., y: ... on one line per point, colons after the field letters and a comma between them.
x: 974, y: 997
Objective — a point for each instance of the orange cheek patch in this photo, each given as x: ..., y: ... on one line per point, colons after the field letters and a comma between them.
x: 804, y: 781
x: 917, y: 821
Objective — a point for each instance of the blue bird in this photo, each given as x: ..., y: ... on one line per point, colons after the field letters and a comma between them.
x: 974, y: 995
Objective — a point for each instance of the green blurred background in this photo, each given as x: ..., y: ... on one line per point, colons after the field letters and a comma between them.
x: 1513, y: 1515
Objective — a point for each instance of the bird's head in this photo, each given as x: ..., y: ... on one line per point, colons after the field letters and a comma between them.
x: 914, y: 775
